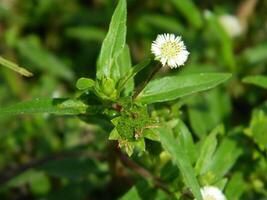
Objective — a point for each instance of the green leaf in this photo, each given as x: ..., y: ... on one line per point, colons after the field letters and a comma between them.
x: 40, y: 185
x: 85, y: 83
x: 235, y: 187
x: 257, y: 80
x: 86, y: 33
x: 53, y: 106
x: 189, y: 11
x: 150, y: 135
x: 169, y: 172
x: 186, y: 140
x: 114, y: 135
x: 255, y: 55
x: 180, y: 158
x: 26, y: 177
x: 132, y: 194
x: 258, y: 126
x: 132, y: 72
x: 43, y: 59
x: 224, y: 40
x: 207, y: 150
x: 173, y: 87
x: 15, y: 67
x: 124, y: 63
x: 223, y: 159
x: 72, y: 168
x: 149, y: 22
x: 113, y: 44
x: 213, y: 106
x: 221, y: 183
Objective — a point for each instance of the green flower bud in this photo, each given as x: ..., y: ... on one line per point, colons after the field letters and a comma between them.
x: 108, y: 87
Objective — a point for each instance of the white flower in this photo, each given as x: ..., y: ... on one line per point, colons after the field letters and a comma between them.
x: 231, y: 25
x: 170, y: 50
x: 212, y: 193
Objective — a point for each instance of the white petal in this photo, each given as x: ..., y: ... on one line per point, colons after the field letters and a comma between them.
x: 211, y: 192
x: 170, y: 50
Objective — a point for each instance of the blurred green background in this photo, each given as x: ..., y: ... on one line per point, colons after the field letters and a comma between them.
x: 50, y: 157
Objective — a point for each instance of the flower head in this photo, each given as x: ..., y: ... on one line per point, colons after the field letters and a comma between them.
x: 170, y: 50
x: 212, y: 193
x: 231, y: 25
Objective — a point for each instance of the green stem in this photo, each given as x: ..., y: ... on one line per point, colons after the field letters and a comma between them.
x: 15, y: 67
x: 150, y: 77
x: 132, y: 72
x: 141, y: 171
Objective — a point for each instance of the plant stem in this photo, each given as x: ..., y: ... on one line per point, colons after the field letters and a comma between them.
x: 141, y: 171
x: 150, y: 77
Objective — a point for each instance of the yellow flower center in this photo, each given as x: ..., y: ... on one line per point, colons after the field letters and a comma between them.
x: 170, y: 49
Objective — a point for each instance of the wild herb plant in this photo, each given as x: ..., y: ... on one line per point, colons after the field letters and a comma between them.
x: 144, y: 120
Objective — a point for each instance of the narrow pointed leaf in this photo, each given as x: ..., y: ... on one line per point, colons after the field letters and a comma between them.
x: 258, y: 80
x: 207, y: 150
x: 124, y: 63
x: 188, y: 9
x: 224, y: 158
x: 15, y: 67
x: 236, y: 186
x: 186, y: 140
x: 113, y: 44
x: 132, y: 72
x: 180, y: 158
x: 53, y: 106
x: 173, y: 87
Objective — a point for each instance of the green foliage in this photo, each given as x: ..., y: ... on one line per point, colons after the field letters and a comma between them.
x: 131, y: 194
x: 258, y: 127
x: 189, y: 10
x: 254, y: 55
x: 207, y: 149
x: 186, y: 140
x: 170, y: 88
x: 181, y: 159
x: 161, y: 22
x: 222, y: 160
x: 113, y: 45
x: 15, y: 67
x: 224, y: 40
x: 130, y: 128
x: 258, y: 80
x: 236, y: 186
x: 124, y: 63
x: 53, y: 106
x: 85, y: 83
x: 128, y: 78
x: 86, y: 33
x: 70, y: 171
x: 40, y: 58
x: 213, y: 107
